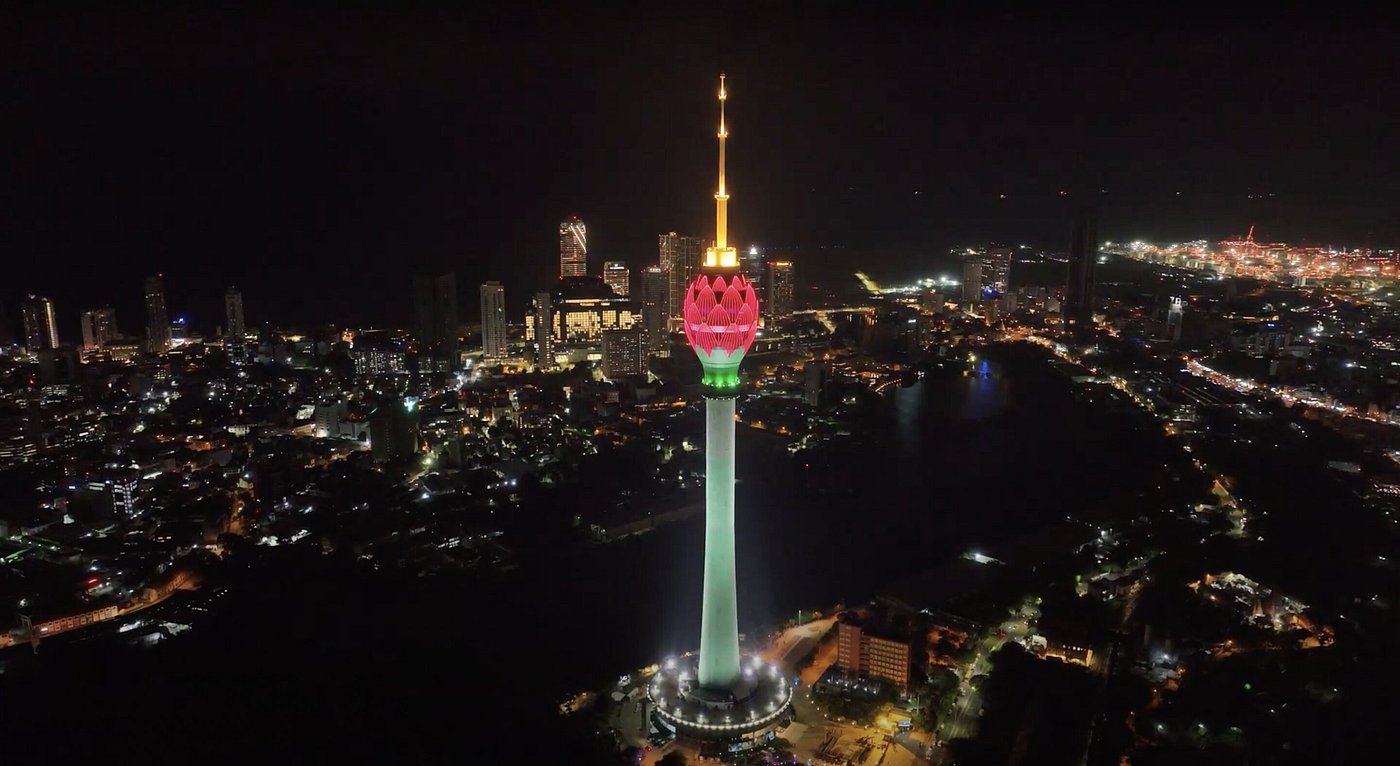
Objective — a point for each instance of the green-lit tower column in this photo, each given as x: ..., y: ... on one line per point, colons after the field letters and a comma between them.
x: 721, y: 317
x: 719, y: 624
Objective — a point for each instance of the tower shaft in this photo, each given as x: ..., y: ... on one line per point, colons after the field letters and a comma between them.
x: 719, y: 623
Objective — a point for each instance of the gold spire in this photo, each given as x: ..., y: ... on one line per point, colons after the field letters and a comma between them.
x: 722, y: 255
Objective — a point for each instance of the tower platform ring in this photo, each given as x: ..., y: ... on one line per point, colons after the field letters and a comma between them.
x: 758, y: 701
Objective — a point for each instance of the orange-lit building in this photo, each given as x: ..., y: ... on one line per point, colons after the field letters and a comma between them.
x: 863, y: 652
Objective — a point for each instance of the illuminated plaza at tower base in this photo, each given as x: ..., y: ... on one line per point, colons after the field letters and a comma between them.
x: 746, y: 715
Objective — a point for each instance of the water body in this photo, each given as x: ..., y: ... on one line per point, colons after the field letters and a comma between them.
x: 310, y: 659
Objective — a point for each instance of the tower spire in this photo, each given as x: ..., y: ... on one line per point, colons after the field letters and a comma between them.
x: 722, y: 255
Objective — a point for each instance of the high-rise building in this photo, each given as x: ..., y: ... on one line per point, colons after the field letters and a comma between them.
x: 157, y: 319
x: 623, y: 353
x: 99, y: 327
x: 719, y: 695
x: 780, y: 289
x: 435, y: 311
x: 378, y: 352
x: 656, y: 313
x: 996, y: 267
x: 543, y: 313
x: 1078, y: 305
x: 573, y: 248
x: 679, y: 257
x: 617, y: 276
x: 752, y: 264
x: 972, y: 281
x: 493, y: 321
x: 393, y: 430
x: 40, y: 327
x: 115, y: 491
x: 235, y: 332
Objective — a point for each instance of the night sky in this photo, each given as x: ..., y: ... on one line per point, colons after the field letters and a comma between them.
x: 318, y: 160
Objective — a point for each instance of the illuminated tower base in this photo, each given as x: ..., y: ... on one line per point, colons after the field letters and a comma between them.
x: 719, y: 623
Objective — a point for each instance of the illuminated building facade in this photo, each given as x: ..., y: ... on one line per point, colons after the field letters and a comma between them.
x: 40, y: 328
x: 157, y: 319
x: 752, y: 264
x: 864, y: 653
x: 623, y: 353
x: 99, y: 327
x: 573, y: 248
x: 780, y: 289
x: 542, y: 311
x: 995, y: 271
x: 720, y: 696
x: 581, y: 310
x: 617, y: 276
x: 680, y: 258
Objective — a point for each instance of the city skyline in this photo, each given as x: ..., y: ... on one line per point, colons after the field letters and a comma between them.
x: 401, y: 387
x: 920, y: 190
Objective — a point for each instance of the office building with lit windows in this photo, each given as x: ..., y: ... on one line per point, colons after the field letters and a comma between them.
x: 40, y: 327
x: 617, y: 276
x: 573, y: 248
x: 581, y: 309
x: 779, y: 287
x: 624, y: 353
x: 679, y: 256
x: 98, y: 327
x: 542, y: 313
x: 865, y: 649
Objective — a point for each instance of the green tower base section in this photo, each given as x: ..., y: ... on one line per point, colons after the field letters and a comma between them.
x: 719, y: 623
x: 721, y: 369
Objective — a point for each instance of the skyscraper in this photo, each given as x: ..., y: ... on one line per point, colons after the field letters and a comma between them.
x: 719, y: 696
x: 573, y: 248
x: 393, y: 430
x: 623, y: 353
x: 99, y: 327
x: 493, y: 320
x: 972, y: 281
x: 1079, y: 287
x: 679, y: 257
x: 996, y: 267
x: 40, y: 329
x: 752, y: 264
x: 656, y: 309
x: 780, y: 289
x: 435, y: 311
x: 157, y: 320
x: 234, y: 317
x: 617, y: 276
x: 544, y: 335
